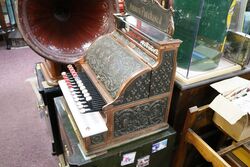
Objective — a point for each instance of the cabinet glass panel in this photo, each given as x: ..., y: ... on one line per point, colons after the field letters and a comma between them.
x: 7, y: 9
x: 201, y: 25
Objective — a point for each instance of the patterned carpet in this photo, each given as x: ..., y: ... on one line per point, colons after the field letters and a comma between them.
x: 24, y: 140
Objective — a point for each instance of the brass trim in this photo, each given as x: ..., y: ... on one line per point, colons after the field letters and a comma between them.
x: 171, y: 41
x: 171, y: 45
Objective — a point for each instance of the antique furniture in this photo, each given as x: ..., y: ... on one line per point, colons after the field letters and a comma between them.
x: 156, y: 149
x: 204, y: 53
x: 198, y: 118
x: 195, y: 90
x: 202, y: 48
x: 237, y: 21
x: 200, y: 93
x: 7, y: 20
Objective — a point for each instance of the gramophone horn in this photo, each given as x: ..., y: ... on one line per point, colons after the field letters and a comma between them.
x: 61, y: 30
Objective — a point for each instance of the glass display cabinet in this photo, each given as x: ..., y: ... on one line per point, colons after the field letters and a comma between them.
x: 7, y: 20
x: 246, y: 25
x: 237, y: 20
x: 237, y: 48
x: 7, y: 15
x: 202, y: 26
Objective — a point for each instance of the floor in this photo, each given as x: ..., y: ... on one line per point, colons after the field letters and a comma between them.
x: 24, y: 139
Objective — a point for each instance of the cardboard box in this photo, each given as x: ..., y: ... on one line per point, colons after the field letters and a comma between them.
x: 232, y: 112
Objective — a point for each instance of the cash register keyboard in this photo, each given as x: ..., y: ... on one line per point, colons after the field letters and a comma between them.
x: 84, y: 93
x: 84, y: 102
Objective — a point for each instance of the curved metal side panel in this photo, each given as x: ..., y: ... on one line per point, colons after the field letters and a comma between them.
x: 114, y: 66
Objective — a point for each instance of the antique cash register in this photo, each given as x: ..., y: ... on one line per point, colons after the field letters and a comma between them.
x: 122, y: 89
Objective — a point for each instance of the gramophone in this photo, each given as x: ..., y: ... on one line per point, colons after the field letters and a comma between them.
x: 62, y: 30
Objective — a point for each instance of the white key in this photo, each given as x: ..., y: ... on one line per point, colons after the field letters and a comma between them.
x: 86, y: 94
x: 83, y: 102
x: 84, y: 91
x: 87, y: 109
x: 79, y: 81
x: 89, y: 98
x: 71, y: 90
x: 75, y: 96
x: 82, y: 87
x: 80, y: 106
x: 64, y: 74
x: 80, y: 84
x: 82, y: 111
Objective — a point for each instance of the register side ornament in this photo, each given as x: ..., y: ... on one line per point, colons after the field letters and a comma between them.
x: 139, y: 117
x: 161, y: 77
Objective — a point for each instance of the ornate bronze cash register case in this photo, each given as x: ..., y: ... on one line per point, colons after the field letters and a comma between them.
x: 133, y: 68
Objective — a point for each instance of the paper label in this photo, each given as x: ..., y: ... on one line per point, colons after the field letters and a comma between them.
x: 144, y: 161
x: 128, y: 159
x: 159, y: 146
